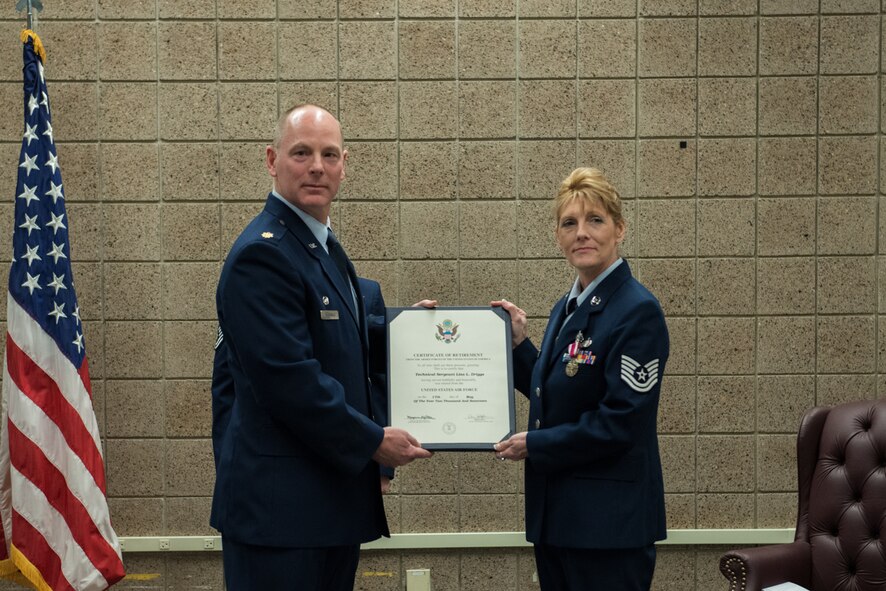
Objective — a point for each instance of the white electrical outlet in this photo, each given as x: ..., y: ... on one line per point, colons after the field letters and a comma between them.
x: 418, y: 579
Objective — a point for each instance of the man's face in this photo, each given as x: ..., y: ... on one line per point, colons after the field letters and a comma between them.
x: 309, y: 163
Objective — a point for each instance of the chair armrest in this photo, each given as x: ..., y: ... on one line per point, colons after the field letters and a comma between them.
x: 751, y: 569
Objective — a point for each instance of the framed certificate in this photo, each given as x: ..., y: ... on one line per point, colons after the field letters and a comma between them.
x: 449, y: 376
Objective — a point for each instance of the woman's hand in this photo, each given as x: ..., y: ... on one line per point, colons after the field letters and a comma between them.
x: 513, y: 448
x: 518, y: 320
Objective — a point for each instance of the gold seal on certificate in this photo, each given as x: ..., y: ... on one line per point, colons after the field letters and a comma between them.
x: 449, y: 376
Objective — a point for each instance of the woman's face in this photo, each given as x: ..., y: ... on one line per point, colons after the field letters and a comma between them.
x: 589, y: 238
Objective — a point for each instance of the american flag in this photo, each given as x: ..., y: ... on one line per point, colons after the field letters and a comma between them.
x: 52, y: 479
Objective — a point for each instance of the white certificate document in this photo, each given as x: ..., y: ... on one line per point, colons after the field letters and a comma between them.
x: 449, y: 376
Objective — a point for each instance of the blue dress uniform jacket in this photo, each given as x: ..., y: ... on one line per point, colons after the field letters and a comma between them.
x: 593, y: 473
x: 294, y: 465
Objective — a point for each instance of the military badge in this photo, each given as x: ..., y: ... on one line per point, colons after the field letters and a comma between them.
x: 447, y: 332
x: 640, y: 378
x: 578, y: 354
x: 267, y: 234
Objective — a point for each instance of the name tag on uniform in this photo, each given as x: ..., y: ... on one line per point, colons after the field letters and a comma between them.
x: 328, y: 314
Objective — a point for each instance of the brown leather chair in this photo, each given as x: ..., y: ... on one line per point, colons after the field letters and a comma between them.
x: 840, y: 542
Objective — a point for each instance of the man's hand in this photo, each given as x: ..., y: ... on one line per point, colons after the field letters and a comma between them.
x: 398, y: 448
x: 518, y: 320
x: 513, y: 448
x: 425, y: 304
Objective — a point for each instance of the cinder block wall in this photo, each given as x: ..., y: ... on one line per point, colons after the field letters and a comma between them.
x: 743, y: 134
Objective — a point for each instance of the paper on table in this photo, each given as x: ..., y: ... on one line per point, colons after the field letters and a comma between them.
x: 785, y: 587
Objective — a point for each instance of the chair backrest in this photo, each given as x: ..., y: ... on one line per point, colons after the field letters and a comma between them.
x: 841, y: 454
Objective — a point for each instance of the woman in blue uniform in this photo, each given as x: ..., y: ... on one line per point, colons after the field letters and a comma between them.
x: 594, y: 491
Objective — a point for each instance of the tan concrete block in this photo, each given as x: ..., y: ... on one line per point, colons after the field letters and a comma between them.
x: 242, y: 170
x: 724, y: 7
x: 74, y: 114
x: 234, y: 217
x: 547, y: 108
x: 487, y: 230
x: 547, y: 47
x: 487, y: 109
x: 725, y: 286
x: 667, y: 8
x: 776, y: 510
x: 727, y: 46
x: 542, y: 283
x: 542, y: 166
x: 94, y: 331
x: 675, y: 567
x: 847, y: 225
x: 129, y: 172
x: 65, y: 9
x: 355, y: 38
x: 134, y: 408
x: 485, y: 565
x: 323, y: 94
x: 667, y: 46
x: 665, y: 169
x: 190, y: 171
x: 727, y: 166
x: 85, y: 231
x: 535, y: 230
x: 11, y: 124
x: 847, y: 165
x: 488, y: 9
x: 189, y: 467
x: 417, y: 219
x: 186, y: 9
x: 786, y: 344
x: 487, y: 49
x: 606, y: 8
x: 667, y: 228
x: 427, y: 49
x: 302, y: 9
x: 247, y: 111
x: 135, y: 467
x: 371, y: 171
x: 366, y: 9
x: 726, y: 227
x: 438, y: 474
x: 846, y: 344
x: 482, y: 473
x: 725, y: 510
x: 831, y: 6
x: 726, y: 346
x: 677, y: 452
x: 428, y: 279
x: 786, y: 166
x: 786, y: 226
x: 684, y: 353
x: 527, y: 577
x: 428, y: 170
x: 239, y: 43
x: 787, y: 106
x: 881, y: 293
x: 128, y: 111
x: 370, y: 230
x: 776, y: 463
x: 546, y: 9
x: 201, y: 571
x: 189, y: 290
x: 847, y: 285
x: 478, y: 513
x: 788, y: 45
x: 677, y: 406
x: 188, y: 408
x: 144, y: 9
x: 393, y: 511
x: 840, y: 389
x: 127, y: 51
x: 666, y: 107
x: 188, y: 111
x: 190, y: 231
x: 782, y: 401
x: 369, y: 110
x: 137, y: 517
x: 429, y: 513
x: 132, y: 291
x: 72, y: 52
x: 847, y: 104
x: 480, y: 282
x: 615, y: 158
x: 132, y: 232
x: 427, y: 8
x: 187, y: 348
x: 9, y: 159
x: 725, y: 463
x: 849, y: 44
x: 607, y: 48
x: 133, y: 349
x: 428, y: 110
x: 606, y: 108
x: 785, y: 285
x: 379, y: 571
x: 88, y: 279
x: 788, y: 6
x: 486, y: 170
x: 727, y: 106
x: 300, y: 45
x: 80, y: 163
x: 672, y: 281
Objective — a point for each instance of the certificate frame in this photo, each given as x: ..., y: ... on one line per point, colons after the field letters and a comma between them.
x: 450, y: 376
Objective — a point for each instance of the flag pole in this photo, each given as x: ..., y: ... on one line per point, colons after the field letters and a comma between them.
x: 30, y: 16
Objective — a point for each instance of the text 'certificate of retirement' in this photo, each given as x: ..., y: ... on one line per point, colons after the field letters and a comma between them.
x: 449, y: 376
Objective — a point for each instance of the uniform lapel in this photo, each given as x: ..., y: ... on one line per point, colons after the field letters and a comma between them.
x: 547, y: 343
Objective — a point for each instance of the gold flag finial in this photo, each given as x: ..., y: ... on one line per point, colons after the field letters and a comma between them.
x: 38, y: 45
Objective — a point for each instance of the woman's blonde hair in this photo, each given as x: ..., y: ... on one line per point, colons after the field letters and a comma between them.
x: 590, y: 185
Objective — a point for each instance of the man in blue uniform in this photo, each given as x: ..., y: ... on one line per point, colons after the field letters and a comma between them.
x: 297, y: 480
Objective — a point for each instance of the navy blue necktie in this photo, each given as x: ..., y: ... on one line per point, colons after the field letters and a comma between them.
x: 571, y: 305
x: 337, y: 253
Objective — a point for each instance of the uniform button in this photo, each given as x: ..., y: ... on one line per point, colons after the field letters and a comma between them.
x: 537, y: 423
x: 538, y: 392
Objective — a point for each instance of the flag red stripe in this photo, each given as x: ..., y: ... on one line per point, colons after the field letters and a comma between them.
x: 30, y: 460
x: 33, y: 546
x: 43, y: 391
